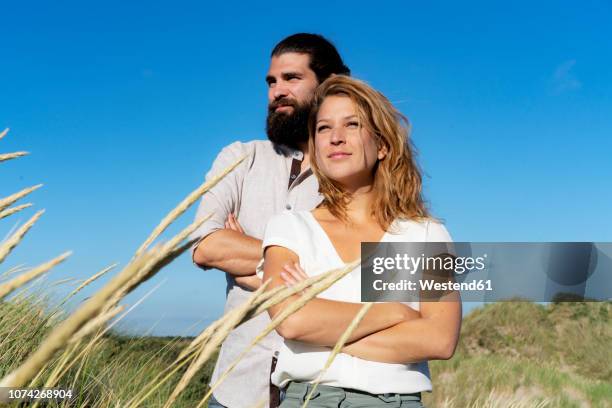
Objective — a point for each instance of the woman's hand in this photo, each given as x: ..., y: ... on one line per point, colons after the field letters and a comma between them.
x: 292, y: 274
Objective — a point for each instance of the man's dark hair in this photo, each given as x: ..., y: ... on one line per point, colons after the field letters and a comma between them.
x: 324, y: 57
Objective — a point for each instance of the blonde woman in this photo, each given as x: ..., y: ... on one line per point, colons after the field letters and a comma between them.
x: 372, y: 192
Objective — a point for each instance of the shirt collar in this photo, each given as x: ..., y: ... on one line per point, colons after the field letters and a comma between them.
x: 289, y: 151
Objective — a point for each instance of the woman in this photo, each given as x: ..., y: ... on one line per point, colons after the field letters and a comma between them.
x: 372, y: 192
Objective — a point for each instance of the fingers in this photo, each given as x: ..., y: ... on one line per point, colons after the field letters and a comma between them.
x: 288, y: 279
x: 301, y: 273
x: 228, y: 224
x: 237, y: 224
x: 232, y: 223
x: 293, y: 274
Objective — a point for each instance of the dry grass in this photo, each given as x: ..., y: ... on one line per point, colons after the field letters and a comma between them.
x: 13, y: 210
x: 7, y: 246
x: 14, y: 155
x: 337, y: 347
x: 15, y: 283
x: 103, y: 305
x: 7, y: 201
x: 40, y: 349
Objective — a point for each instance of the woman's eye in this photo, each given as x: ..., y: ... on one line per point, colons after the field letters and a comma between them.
x: 322, y: 128
x: 353, y: 124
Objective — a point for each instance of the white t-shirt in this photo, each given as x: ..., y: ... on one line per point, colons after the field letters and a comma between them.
x: 300, y: 232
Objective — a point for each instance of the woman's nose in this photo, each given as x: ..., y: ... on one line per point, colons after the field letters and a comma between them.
x: 337, y: 136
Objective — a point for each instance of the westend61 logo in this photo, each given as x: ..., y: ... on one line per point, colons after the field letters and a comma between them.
x: 485, y: 271
x: 411, y: 264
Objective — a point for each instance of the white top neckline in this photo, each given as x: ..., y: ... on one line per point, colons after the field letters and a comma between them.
x: 311, y: 218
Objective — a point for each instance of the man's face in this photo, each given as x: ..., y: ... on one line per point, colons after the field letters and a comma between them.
x: 291, y: 86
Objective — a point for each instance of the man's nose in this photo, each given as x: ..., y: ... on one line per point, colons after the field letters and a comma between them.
x: 280, y: 90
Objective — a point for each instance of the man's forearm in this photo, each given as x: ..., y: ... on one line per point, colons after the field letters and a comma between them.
x: 230, y: 251
x: 250, y: 282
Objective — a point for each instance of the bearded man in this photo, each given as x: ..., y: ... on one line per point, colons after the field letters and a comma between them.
x: 275, y: 176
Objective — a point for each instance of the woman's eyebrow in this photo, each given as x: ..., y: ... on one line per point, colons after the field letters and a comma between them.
x: 344, y: 118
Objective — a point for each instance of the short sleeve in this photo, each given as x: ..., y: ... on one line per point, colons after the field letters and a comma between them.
x: 437, y: 232
x: 282, y: 230
x: 224, y: 197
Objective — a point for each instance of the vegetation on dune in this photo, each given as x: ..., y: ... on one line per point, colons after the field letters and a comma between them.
x: 517, y: 353
x: 112, y: 371
x: 510, y: 355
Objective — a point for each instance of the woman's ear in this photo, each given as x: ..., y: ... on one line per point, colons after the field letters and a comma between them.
x: 382, y: 152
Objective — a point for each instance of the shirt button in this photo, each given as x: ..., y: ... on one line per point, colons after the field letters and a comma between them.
x: 288, y: 206
x: 292, y: 177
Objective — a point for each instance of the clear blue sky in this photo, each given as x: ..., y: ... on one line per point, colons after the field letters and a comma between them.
x: 124, y: 105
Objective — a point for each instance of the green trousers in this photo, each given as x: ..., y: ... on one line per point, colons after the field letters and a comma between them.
x: 333, y: 397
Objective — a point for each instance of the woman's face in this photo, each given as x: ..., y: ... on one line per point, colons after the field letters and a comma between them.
x: 344, y: 149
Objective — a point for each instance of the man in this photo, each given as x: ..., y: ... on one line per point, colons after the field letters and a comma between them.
x: 275, y: 176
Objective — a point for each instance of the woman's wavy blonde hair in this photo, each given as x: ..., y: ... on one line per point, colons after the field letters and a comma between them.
x: 397, y: 179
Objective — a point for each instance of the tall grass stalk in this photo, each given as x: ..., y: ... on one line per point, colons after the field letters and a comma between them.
x: 184, y: 205
x: 4, y: 132
x: 102, y: 305
x: 337, y: 347
x: 7, y: 246
x: 141, y: 266
x: 14, y: 155
x: 13, y: 210
x: 10, y: 200
x: 215, y: 341
x: 17, y: 282
x: 308, y: 294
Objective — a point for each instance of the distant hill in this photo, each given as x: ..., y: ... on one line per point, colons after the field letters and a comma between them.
x: 522, y: 354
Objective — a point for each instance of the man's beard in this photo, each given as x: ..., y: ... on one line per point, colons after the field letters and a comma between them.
x: 288, y: 129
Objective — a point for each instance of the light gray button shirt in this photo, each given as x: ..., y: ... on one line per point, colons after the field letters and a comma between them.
x: 255, y: 191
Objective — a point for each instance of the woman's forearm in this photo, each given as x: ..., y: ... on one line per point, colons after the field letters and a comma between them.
x: 432, y: 337
x: 323, y: 322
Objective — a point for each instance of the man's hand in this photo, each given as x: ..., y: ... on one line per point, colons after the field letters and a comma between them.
x: 232, y: 223
x: 249, y: 282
